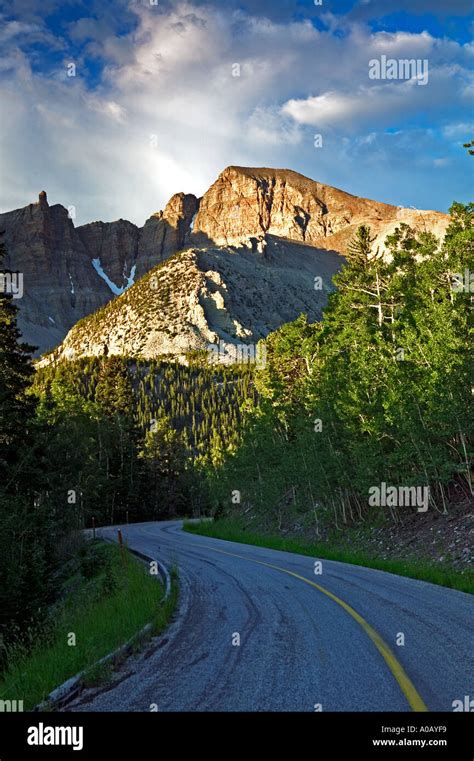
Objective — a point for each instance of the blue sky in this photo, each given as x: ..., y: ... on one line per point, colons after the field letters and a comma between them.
x: 155, y: 106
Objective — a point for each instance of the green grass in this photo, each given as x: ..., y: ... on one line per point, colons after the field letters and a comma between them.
x: 110, y: 598
x: 233, y: 531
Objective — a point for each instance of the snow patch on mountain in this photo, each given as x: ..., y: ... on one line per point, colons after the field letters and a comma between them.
x: 114, y: 288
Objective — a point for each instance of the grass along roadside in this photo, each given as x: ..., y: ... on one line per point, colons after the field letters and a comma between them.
x: 107, y: 600
x: 234, y: 531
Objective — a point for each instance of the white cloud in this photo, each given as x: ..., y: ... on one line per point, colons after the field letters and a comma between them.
x: 269, y: 126
x: 459, y: 130
x: 171, y: 78
x: 380, y: 105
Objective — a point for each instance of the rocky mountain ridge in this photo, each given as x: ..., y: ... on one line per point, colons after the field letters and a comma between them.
x: 71, y: 272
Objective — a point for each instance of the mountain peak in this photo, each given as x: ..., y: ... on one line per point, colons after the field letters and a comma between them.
x: 250, y: 202
x: 43, y: 198
x: 265, y: 173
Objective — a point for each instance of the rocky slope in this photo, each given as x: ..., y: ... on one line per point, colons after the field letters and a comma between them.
x: 71, y: 272
x: 214, y: 298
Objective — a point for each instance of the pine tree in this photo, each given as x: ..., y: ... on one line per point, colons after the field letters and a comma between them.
x: 359, y: 248
x: 23, y: 546
x: 164, y: 457
x: 114, y: 391
x: 16, y: 370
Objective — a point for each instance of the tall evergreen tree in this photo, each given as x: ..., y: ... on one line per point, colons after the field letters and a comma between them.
x: 22, y: 548
x: 114, y: 391
x: 359, y: 248
x: 16, y: 370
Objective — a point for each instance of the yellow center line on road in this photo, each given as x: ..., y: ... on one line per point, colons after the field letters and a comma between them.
x: 406, y: 685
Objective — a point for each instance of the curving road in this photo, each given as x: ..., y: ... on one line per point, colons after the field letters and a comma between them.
x: 307, y: 642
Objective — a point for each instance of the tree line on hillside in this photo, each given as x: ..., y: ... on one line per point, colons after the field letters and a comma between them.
x: 201, y: 402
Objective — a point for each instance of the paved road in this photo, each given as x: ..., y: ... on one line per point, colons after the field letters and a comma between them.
x: 306, y: 640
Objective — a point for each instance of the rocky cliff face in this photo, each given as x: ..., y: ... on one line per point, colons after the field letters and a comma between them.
x: 70, y: 272
x: 112, y: 246
x: 166, y: 232
x: 255, y: 202
x: 59, y: 283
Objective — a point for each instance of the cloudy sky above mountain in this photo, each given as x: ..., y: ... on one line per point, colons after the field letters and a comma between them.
x: 166, y: 94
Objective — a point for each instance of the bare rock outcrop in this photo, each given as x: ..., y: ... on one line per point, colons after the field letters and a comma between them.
x: 166, y: 232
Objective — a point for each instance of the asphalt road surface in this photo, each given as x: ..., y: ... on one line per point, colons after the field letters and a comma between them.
x: 258, y: 630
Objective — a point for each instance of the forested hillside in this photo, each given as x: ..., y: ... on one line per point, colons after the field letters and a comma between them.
x: 102, y: 440
x: 380, y: 391
x: 201, y: 402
